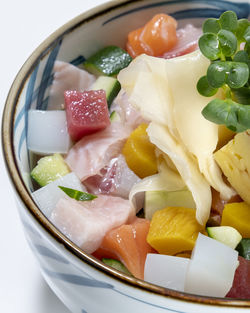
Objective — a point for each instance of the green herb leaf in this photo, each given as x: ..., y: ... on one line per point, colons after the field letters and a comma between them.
x: 229, y: 21
x: 217, y: 73
x: 229, y: 70
x: 242, y: 26
x: 247, y: 49
x: 209, y: 46
x: 246, y: 35
x: 242, y: 95
x: 226, y: 112
x: 228, y: 42
x: 238, y: 74
x: 204, y: 88
x: 77, y: 194
x: 211, y: 25
x: 244, y: 116
x: 241, y: 56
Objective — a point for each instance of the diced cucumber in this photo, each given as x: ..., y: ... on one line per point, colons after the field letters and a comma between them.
x: 110, y: 85
x: 225, y: 234
x: 157, y: 200
x: 49, y: 168
x: 114, y: 117
x: 107, y: 61
x: 244, y: 248
x: 116, y: 265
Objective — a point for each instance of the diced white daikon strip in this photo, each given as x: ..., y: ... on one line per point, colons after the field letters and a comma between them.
x: 211, y: 268
x: 47, y: 132
x: 48, y: 196
x: 166, y: 271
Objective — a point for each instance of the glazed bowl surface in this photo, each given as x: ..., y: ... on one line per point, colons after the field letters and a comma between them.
x: 83, y: 283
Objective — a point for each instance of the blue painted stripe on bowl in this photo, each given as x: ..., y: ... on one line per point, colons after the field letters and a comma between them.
x: 29, y: 228
x: 46, y: 75
x: 28, y: 97
x: 44, y: 84
x: 21, y: 141
x: 202, y: 13
x: 42, y: 250
x: 27, y: 104
x: 148, y: 303
x: 19, y: 118
x: 45, y: 102
x: 79, y: 60
x: 77, y: 280
x: 241, y: 8
x: 82, y: 281
x: 31, y: 96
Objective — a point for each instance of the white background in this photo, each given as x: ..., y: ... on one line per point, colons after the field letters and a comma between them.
x: 24, y: 24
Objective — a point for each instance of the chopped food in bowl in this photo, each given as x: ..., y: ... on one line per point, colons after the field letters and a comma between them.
x: 136, y: 156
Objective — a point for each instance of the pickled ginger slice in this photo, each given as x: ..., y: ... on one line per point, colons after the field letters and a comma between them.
x: 164, y: 92
x: 165, y: 180
x: 147, y: 87
x: 199, y: 135
x: 187, y: 167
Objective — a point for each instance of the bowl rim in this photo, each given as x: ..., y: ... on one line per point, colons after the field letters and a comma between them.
x: 18, y: 184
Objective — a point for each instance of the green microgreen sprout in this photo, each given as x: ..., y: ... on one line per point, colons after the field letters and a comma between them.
x: 226, y: 43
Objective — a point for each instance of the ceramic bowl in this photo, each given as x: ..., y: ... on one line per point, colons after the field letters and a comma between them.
x: 83, y: 283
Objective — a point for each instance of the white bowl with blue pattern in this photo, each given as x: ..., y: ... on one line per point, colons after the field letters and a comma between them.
x: 83, y: 283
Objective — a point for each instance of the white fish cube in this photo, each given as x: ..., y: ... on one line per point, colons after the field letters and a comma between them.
x: 47, y: 132
x: 166, y: 271
x: 211, y: 269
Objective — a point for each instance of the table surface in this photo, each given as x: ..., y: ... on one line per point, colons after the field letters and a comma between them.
x: 22, y: 289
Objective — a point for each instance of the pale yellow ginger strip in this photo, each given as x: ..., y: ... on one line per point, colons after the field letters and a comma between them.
x: 187, y: 167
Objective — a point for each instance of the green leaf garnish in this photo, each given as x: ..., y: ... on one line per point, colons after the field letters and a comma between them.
x: 211, y: 25
x: 209, y: 46
x: 217, y: 73
x: 238, y: 75
x: 204, y: 88
x: 241, y: 56
x: 229, y: 113
x: 242, y: 95
x: 246, y: 35
x: 228, y: 71
x: 229, y: 21
x: 77, y: 194
x: 247, y: 49
x: 228, y: 42
x: 240, y: 31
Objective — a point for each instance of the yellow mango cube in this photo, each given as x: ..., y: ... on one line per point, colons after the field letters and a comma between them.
x: 237, y: 215
x: 139, y: 152
x: 174, y: 230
